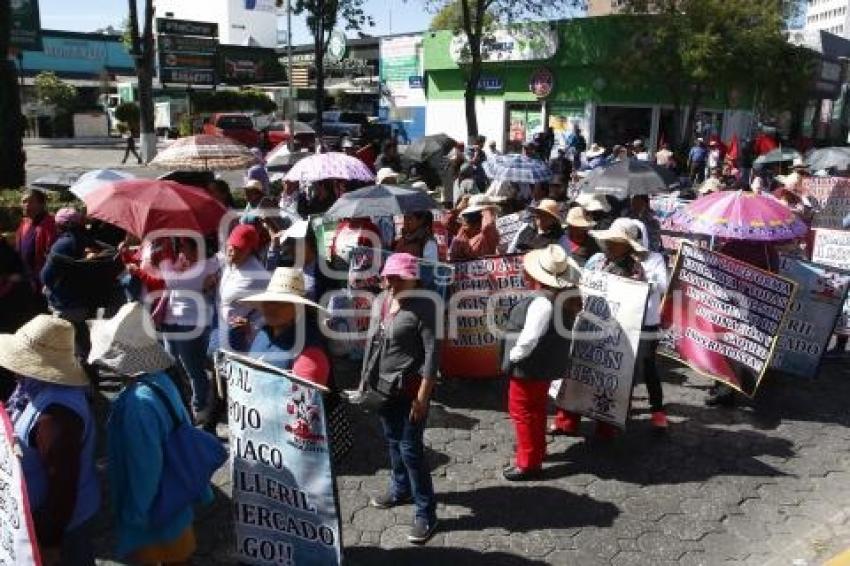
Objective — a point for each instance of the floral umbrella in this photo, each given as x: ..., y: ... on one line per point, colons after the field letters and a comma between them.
x: 739, y: 215
x: 205, y: 153
x: 331, y: 165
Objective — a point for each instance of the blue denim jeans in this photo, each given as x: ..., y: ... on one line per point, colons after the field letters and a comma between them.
x: 410, y: 474
x: 191, y: 354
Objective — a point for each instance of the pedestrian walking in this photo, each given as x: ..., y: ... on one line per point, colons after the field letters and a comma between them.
x: 697, y: 157
x: 403, y: 343
x: 130, y: 146
x: 537, y: 336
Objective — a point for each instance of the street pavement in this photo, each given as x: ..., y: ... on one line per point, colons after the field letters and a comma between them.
x: 765, y: 484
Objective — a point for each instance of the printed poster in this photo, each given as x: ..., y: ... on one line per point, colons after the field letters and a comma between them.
x: 285, y: 505
x: 604, y: 349
x: 832, y: 247
x: 832, y: 200
x: 722, y: 317
x: 508, y: 226
x: 808, y: 327
x: 17, y: 531
x: 470, y: 349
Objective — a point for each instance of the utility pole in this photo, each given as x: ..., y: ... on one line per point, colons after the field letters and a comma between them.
x: 289, y: 105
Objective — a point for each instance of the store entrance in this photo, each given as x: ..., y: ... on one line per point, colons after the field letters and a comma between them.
x: 523, y: 121
x: 621, y: 125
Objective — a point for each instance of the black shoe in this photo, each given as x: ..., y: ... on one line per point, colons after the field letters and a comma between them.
x: 721, y: 399
x: 512, y: 473
x: 387, y: 501
x: 421, y: 531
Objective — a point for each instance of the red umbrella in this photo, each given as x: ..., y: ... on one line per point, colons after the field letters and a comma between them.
x: 141, y: 206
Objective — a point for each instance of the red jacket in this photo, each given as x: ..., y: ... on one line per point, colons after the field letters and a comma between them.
x: 45, y: 235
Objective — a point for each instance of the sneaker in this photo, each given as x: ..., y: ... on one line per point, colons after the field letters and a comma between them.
x: 387, y: 501
x: 512, y: 473
x: 659, y: 420
x: 421, y: 531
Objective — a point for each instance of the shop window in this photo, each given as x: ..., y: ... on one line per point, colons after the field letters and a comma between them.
x: 617, y: 125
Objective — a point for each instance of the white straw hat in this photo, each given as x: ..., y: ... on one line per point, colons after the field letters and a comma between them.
x: 550, y: 207
x: 285, y: 286
x: 43, y: 349
x: 386, y: 175
x: 577, y: 218
x: 595, y: 151
x: 477, y: 203
x: 552, y: 267
x: 621, y: 230
x: 127, y: 343
x: 593, y: 202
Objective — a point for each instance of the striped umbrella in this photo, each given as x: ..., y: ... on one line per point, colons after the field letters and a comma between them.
x: 332, y: 165
x: 205, y: 153
x: 517, y: 169
x: 92, y: 180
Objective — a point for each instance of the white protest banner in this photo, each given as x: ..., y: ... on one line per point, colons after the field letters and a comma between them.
x: 832, y: 200
x: 17, y: 533
x: 508, y: 226
x: 606, y: 336
x: 832, y: 247
x: 285, y: 504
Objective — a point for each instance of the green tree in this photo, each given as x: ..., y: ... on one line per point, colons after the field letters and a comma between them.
x: 50, y: 89
x: 12, y: 171
x: 128, y: 114
x: 142, y: 51
x: 322, y: 17
x: 450, y: 17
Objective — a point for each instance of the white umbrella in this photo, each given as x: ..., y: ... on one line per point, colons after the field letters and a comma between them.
x: 97, y: 178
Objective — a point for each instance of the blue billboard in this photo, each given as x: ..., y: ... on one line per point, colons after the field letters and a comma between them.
x: 78, y: 54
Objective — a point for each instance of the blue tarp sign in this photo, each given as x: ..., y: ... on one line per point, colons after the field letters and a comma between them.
x: 284, y: 497
x: 809, y: 323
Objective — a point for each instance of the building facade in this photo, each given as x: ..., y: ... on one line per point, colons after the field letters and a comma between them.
x: 250, y: 23
x: 828, y: 15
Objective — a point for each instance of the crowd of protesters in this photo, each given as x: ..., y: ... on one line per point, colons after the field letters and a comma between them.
x: 265, y: 278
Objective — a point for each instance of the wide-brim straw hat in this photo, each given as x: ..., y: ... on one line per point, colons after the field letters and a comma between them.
x: 285, y: 286
x: 477, y: 203
x: 710, y: 185
x: 621, y: 230
x: 127, y: 343
x: 577, y: 218
x: 43, y: 349
x: 386, y: 175
x: 552, y: 267
x: 595, y: 151
x: 593, y: 202
x: 550, y: 207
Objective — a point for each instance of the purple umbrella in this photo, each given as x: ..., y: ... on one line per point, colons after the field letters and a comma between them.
x: 333, y: 165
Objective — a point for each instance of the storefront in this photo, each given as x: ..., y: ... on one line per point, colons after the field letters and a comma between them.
x: 584, y: 89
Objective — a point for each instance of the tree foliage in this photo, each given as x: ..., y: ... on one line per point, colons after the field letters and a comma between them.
x: 50, y: 89
x: 128, y: 113
x: 450, y: 17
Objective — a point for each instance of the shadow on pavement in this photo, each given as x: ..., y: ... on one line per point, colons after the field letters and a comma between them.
x: 509, y: 507
x: 425, y: 555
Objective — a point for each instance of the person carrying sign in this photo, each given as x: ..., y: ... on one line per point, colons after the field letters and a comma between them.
x: 533, y: 351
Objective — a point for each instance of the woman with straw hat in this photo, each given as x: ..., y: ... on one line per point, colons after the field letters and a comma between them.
x: 536, y: 338
x: 138, y: 428
x: 577, y: 240
x: 544, y: 229
x: 55, y: 429
x: 478, y: 236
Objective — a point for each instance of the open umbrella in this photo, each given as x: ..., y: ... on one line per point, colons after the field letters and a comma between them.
x: 205, y: 153
x: 628, y: 177
x: 141, y: 206
x: 97, y: 178
x: 424, y: 148
x: 381, y: 200
x: 56, y: 181
x: 739, y: 215
x: 517, y: 169
x: 281, y: 159
x: 331, y: 165
x: 778, y: 155
x: 829, y: 157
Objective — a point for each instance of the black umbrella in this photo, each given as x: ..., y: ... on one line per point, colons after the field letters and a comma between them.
x: 56, y: 181
x: 380, y: 200
x: 627, y: 178
x: 424, y: 148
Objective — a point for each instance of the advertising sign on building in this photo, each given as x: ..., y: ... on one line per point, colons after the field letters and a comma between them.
x: 244, y: 65
x: 26, y: 25
x: 186, y: 27
x: 529, y: 43
x: 187, y: 51
x: 541, y: 83
x: 401, y: 70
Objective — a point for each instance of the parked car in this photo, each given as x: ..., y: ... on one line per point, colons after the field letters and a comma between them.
x: 239, y: 127
x: 338, y: 124
x: 278, y: 132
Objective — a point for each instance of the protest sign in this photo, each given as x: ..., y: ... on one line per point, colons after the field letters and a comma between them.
x: 508, y: 226
x: 470, y: 348
x: 606, y: 336
x: 722, y: 316
x: 832, y: 247
x: 284, y: 496
x: 832, y: 200
x: 17, y: 532
x: 820, y: 296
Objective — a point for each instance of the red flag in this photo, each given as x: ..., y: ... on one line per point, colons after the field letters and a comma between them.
x: 734, y: 149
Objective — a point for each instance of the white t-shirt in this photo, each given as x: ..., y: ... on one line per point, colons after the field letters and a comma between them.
x: 237, y: 283
x: 186, y: 303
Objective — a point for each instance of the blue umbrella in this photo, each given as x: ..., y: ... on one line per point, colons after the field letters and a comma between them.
x: 517, y: 169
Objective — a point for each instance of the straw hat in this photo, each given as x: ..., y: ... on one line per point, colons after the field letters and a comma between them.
x: 550, y: 207
x: 386, y: 175
x: 477, y: 203
x: 710, y: 185
x: 127, y: 344
x: 253, y: 185
x: 595, y: 151
x: 798, y: 163
x: 621, y: 230
x: 593, y: 202
x: 43, y: 349
x: 552, y: 267
x: 285, y: 286
x: 577, y: 218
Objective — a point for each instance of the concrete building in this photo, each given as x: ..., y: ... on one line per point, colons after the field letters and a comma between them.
x: 604, y: 7
x: 828, y: 15
x: 240, y: 22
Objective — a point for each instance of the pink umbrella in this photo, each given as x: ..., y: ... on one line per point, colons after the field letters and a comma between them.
x: 140, y: 206
x: 739, y: 215
x: 332, y: 165
x: 205, y: 153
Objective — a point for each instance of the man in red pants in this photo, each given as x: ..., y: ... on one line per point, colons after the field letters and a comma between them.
x: 535, y: 351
